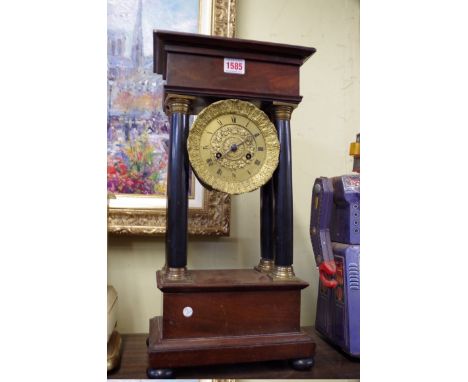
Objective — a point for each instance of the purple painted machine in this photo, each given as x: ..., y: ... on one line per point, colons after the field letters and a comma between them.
x: 334, y: 231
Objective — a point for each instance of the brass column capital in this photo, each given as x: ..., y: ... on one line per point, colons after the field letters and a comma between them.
x: 283, y: 110
x: 176, y: 103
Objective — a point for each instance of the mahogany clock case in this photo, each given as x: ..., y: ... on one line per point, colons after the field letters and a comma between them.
x: 229, y: 316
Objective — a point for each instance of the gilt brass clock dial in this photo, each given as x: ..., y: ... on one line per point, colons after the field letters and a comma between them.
x: 233, y: 147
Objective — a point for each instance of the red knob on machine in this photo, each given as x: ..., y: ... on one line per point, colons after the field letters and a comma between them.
x: 328, y: 268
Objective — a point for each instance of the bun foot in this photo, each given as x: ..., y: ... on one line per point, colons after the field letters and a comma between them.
x: 302, y: 363
x: 159, y: 373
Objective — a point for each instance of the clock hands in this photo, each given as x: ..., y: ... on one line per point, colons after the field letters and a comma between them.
x: 245, y: 140
x: 233, y: 148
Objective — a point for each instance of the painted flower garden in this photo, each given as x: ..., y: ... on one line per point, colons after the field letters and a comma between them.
x: 136, y: 161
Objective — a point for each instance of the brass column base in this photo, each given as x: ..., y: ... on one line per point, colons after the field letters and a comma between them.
x: 281, y: 273
x: 265, y: 265
x: 175, y: 274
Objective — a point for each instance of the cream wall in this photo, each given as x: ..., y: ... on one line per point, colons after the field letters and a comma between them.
x: 322, y: 127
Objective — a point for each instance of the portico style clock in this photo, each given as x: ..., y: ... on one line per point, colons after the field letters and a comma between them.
x: 233, y: 147
x: 243, y: 93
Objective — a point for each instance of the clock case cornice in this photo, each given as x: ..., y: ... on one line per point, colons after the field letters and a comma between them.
x: 192, y: 64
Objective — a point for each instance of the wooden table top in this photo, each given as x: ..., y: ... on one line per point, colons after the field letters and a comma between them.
x: 330, y: 363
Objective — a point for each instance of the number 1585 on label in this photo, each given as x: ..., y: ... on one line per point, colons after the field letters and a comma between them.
x: 234, y: 65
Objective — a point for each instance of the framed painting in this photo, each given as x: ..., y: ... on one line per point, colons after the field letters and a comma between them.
x: 138, y: 129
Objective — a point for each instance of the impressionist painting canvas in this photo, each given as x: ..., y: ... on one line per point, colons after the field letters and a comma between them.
x: 137, y: 128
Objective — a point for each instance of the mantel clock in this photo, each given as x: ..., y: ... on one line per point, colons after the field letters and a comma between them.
x: 242, y: 93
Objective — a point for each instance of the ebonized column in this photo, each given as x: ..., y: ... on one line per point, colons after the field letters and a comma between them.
x: 267, y: 245
x: 178, y: 110
x: 282, y: 178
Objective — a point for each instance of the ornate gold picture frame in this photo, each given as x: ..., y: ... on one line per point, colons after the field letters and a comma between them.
x: 212, y: 214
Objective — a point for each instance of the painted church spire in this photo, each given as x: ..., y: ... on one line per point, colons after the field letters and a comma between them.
x: 137, y: 43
